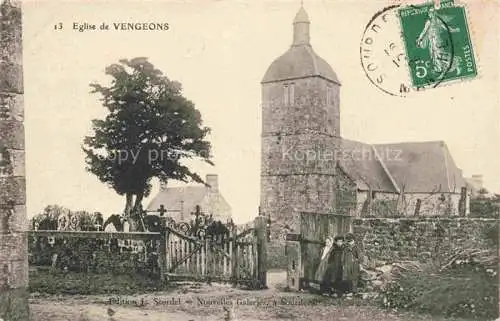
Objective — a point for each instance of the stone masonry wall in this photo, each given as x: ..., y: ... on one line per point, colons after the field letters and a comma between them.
x: 346, y: 203
x: 423, y: 238
x: 298, y: 149
x: 433, y: 204
x: 13, y: 221
x: 386, y: 204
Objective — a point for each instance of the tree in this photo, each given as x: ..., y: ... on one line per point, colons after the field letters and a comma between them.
x: 149, y: 130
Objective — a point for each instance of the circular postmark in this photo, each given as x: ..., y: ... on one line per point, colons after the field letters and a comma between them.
x: 390, y: 65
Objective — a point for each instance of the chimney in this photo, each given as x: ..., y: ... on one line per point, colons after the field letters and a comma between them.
x: 477, y: 181
x: 213, y: 181
x: 163, y: 186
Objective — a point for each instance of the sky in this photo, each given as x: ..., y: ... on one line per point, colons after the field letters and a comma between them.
x: 219, y: 51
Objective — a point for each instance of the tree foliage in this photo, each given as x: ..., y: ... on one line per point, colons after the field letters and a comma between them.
x: 149, y: 130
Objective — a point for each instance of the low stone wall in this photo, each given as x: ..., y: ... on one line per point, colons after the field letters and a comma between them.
x: 414, y: 239
x: 422, y: 239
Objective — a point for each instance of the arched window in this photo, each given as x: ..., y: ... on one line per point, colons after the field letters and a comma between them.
x: 289, y: 94
x: 330, y: 96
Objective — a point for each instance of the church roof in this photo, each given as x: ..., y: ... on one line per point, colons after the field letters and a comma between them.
x: 412, y: 167
x: 300, y: 60
x: 422, y: 167
x: 362, y: 164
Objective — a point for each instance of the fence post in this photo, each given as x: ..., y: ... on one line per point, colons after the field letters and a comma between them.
x: 261, y: 233
x: 234, y: 257
x: 294, y: 262
x: 162, y: 254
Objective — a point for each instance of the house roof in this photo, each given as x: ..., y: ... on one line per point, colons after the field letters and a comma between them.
x: 362, y: 164
x: 177, y: 198
x: 422, y: 166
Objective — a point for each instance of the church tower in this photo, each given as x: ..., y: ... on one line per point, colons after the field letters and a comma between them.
x: 300, y: 125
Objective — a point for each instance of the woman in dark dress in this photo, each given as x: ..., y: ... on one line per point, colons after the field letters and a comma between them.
x: 334, y: 272
x: 323, y: 265
x: 351, y: 269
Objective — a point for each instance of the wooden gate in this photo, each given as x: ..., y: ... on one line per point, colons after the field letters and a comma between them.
x: 225, y: 255
x: 304, y: 248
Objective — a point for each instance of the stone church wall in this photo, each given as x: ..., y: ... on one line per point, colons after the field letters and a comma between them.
x: 443, y: 204
x: 386, y: 204
x: 381, y: 204
x: 347, y: 195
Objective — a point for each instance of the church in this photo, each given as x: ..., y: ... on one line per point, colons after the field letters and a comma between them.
x: 307, y: 166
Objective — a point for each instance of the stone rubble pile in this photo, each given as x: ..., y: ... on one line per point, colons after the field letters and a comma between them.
x: 377, y: 274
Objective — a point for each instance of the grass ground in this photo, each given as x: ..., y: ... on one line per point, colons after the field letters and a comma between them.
x: 201, y: 302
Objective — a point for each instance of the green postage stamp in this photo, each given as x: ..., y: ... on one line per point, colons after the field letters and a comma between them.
x: 438, y: 43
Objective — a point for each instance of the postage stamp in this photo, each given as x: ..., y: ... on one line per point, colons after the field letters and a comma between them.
x: 438, y: 43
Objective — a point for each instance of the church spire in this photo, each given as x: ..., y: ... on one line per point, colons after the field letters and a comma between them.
x: 301, y: 28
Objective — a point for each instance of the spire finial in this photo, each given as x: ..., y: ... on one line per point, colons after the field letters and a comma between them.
x: 301, y: 27
x: 301, y: 16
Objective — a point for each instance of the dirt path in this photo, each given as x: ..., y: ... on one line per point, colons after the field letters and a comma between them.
x: 201, y: 302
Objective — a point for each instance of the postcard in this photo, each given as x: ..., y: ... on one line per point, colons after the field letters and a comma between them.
x: 249, y: 160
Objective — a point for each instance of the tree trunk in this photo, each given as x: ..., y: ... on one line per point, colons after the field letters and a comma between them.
x: 138, y: 203
x: 128, y: 204
x: 13, y: 241
x: 136, y: 214
x: 128, y: 213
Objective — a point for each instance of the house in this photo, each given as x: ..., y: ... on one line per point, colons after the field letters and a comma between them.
x: 180, y: 202
x: 308, y: 166
x: 476, y: 186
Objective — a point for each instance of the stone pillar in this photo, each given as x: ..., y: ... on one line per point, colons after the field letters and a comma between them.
x: 13, y: 220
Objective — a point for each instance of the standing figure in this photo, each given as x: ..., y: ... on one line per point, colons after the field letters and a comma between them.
x: 436, y: 37
x: 334, y: 272
x: 323, y: 265
x: 352, y: 258
x: 125, y: 224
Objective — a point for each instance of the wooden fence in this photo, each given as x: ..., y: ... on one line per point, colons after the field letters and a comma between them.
x: 233, y: 257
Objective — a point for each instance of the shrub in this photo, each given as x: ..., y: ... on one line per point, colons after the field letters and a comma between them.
x: 465, y: 290
x: 486, y: 208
